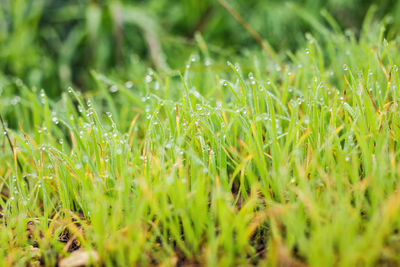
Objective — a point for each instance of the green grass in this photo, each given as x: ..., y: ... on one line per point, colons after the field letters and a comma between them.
x: 54, y: 43
x: 223, y: 164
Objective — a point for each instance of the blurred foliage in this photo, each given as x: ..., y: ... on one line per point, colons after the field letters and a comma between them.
x: 56, y: 43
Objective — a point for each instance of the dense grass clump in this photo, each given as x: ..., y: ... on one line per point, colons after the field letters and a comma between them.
x: 266, y: 161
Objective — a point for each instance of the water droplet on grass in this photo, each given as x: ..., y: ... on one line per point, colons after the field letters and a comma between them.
x: 128, y: 84
x: 15, y: 100
x: 55, y: 119
x: 193, y: 58
x: 42, y: 96
x: 113, y: 89
x: 157, y: 86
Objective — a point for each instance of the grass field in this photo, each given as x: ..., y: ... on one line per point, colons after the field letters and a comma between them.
x: 269, y: 158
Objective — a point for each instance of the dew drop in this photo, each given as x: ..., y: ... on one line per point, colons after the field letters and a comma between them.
x: 128, y: 84
x: 148, y: 78
x: 55, y: 119
x: 113, y: 89
x: 15, y: 100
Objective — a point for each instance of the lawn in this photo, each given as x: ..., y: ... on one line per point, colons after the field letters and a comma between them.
x: 204, y: 154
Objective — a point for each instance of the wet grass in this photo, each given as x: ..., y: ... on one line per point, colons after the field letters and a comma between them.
x: 255, y: 162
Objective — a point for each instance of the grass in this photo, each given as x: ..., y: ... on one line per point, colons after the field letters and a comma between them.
x: 55, y: 44
x: 255, y: 162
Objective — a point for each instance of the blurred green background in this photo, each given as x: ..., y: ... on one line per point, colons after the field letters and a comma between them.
x: 53, y: 44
